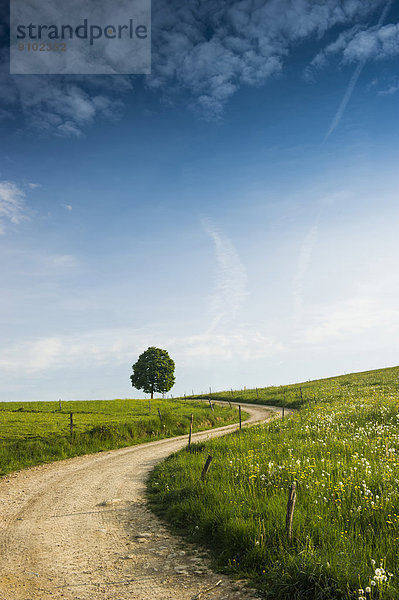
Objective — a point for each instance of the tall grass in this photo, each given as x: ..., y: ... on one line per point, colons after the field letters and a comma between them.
x: 35, y: 433
x: 344, y: 455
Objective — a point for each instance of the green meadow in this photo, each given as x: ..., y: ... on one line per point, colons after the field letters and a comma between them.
x: 342, y: 449
x: 32, y: 433
x: 296, y: 395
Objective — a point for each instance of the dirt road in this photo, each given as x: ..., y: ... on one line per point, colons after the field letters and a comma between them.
x: 79, y: 530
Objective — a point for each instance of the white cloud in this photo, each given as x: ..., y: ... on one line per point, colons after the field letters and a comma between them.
x: 349, y: 318
x: 12, y: 207
x: 322, y: 58
x: 59, y: 261
x: 211, y: 50
x: 376, y: 43
x: 389, y: 91
x: 355, y: 45
x: 231, y: 278
x: 362, y: 57
x: 41, y: 354
x: 206, y: 49
x: 236, y: 344
x: 369, y: 307
x: 28, y: 272
x: 359, y: 43
x: 33, y: 186
x: 120, y: 346
x: 63, y: 106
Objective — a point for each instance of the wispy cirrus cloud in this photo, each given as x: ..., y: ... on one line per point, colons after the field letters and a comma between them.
x: 12, y: 205
x: 231, y: 278
x: 303, y: 265
x: 244, y: 344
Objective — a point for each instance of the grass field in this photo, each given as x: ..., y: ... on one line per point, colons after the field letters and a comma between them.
x: 354, y: 385
x: 32, y: 433
x: 342, y: 449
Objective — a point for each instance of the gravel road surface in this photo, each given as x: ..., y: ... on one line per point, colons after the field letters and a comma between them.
x: 79, y: 529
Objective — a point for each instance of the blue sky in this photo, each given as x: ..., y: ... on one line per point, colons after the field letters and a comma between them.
x: 237, y: 207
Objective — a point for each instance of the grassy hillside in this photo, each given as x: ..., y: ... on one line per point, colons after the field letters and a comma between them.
x: 354, y: 385
x: 36, y: 432
x: 342, y: 450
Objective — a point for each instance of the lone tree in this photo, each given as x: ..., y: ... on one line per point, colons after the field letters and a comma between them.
x: 153, y: 371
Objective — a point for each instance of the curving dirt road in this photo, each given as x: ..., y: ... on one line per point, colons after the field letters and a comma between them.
x: 79, y: 530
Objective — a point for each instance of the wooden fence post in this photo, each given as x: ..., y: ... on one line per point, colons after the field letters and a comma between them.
x: 257, y: 394
x: 71, y: 424
x: 206, y: 467
x: 282, y: 416
x: 191, y: 430
x: 59, y: 403
x: 290, y: 510
x: 159, y: 414
x: 210, y: 404
x: 239, y: 413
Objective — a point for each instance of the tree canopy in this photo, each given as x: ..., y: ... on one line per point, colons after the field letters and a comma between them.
x: 153, y: 371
